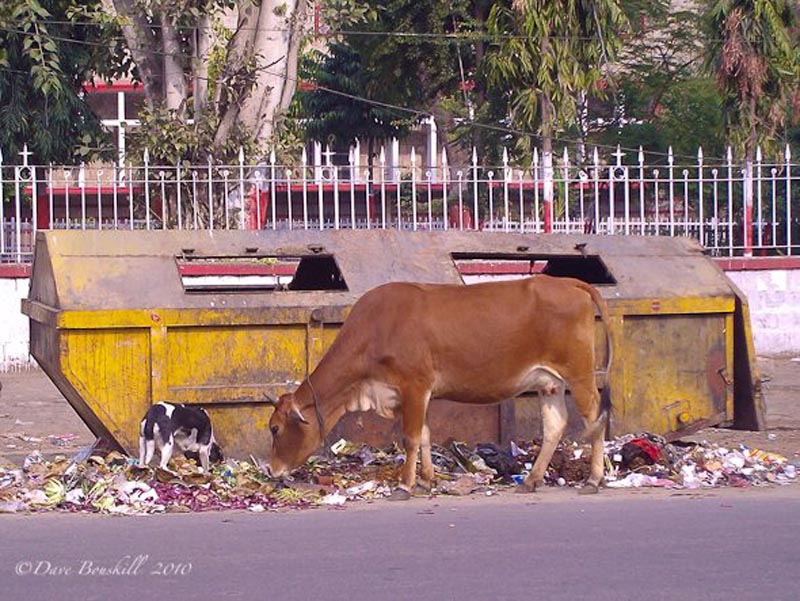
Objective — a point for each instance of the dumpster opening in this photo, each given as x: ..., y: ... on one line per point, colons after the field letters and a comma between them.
x: 590, y: 268
x: 232, y: 274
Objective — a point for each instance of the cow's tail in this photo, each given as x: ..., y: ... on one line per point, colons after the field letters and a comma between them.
x: 605, y: 394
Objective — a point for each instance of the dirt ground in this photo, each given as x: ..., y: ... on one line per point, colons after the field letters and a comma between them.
x: 34, y: 415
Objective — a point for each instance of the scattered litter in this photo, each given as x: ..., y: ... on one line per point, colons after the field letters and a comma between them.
x: 634, y: 480
x: 360, y: 489
x: 334, y: 498
x: 61, y: 440
x: 99, y: 480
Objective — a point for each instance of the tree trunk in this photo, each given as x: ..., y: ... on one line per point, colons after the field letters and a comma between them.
x: 276, y: 48
x: 143, y: 49
x: 174, y: 77
x: 202, y: 46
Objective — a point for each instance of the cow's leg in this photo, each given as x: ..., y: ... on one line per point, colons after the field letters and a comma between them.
x: 554, y: 422
x: 415, y: 405
x: 587, y: 401
x: 426, y: 471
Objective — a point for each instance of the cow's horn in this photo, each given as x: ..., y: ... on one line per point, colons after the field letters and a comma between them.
x: 298, y: 416
x: 269, y: 400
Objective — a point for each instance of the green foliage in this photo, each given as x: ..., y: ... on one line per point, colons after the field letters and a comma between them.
x: 48, y: 53
x: 396, y: 55
x: 334, y: 113
x: 686, y: 117
x: 755, y: 56
x: 547, y: 54
x: 691, y: 118
x: 170, y: 140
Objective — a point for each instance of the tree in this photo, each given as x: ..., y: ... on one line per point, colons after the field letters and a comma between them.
x: 546, y: 55
x: 417, y: 46
x: 333, y: 105
x: 755, y: 57
x: 47, y: 55
x: 242, y: 79
x: 664, y: 98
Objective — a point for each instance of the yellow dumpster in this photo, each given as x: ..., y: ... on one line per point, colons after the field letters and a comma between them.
x: 122, y: 320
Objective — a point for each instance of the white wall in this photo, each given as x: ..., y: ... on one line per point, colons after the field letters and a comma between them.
x: 13, y: 325
x: 773, y: 296
x: 774, y: 299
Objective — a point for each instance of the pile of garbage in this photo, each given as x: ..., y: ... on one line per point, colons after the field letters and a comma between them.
x: 649, y: 460
x: 109, y: 482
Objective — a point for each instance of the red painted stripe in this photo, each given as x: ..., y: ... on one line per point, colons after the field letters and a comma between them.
x: 758, y: 263
x: 491, y: 268
x: 342, y: 186
x: 240, y: 269
x: 114, y: 86
x: 75, y: 191
x: 15, y: 270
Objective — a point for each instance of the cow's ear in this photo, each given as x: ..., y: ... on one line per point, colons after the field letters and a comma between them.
x: 296, y: 414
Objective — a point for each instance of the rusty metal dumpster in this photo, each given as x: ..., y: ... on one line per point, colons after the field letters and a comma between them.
x: 122, y: 320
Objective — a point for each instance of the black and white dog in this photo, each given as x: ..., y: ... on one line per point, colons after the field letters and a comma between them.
x: 189, y: 428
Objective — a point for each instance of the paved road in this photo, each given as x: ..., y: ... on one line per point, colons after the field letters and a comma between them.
x: 619, y: 545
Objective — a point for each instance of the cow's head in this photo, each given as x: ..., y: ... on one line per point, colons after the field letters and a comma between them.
x: 293, y: 437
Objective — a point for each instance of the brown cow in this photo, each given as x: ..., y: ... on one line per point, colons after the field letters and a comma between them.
x: 404, y: 344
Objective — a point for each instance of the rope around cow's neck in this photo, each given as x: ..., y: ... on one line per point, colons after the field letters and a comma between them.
x: 320, y: 419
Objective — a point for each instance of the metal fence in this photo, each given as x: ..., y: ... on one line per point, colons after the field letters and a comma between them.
x: 732, y: 208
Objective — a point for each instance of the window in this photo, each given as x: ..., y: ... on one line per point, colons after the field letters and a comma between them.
x: 250, y: 273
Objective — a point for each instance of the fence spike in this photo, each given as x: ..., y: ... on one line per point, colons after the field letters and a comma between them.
x: 758, y: 154
x: 699, y: 154
x: 787, y: 154
x: 382, y: 156
x: 641, y: 156
x: 304, y: 157
x: 535, y: 156
x: 670, y: 156
x: 146, y: 156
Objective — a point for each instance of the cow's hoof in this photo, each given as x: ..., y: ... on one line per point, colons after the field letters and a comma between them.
x: 588, y: 489
x: 422, y: 488
x: 399, y: 494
